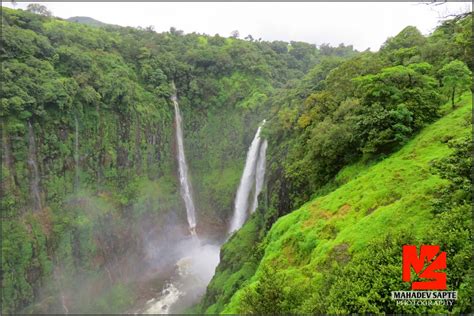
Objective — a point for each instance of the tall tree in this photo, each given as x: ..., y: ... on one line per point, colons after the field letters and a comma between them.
x: 234, y: 34
x: 38, y: 9
x: 456, y: 78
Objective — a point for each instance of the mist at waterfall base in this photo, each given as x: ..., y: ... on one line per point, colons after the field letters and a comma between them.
x: 136, y: 267
x: 152, y: 264
x: 196, y: 257
x: 138, y: 260
x: 156, y: 264
x: 195, y: 263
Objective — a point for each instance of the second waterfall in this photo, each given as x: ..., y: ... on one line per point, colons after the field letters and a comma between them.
x: 250, y: 182
x: 185, y: 186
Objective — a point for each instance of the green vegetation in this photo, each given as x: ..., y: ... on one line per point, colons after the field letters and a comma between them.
x: 367, y: 151
x: 456, y: 78
x: 87, y: 20
x: 341, y: 253
x: 365, y: 107
x: 342, y: 139
x: 88, y: 163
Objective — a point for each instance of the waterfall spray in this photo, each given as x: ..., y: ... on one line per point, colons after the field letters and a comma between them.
x: 185, y: 186
x: 246, y: 183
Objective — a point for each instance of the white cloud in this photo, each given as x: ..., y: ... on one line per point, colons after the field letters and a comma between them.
x: 360, y: 24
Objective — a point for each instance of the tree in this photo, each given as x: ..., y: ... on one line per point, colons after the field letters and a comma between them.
x: 453, y: 215
x: 268, y: 295
x: 175, y: 31
x: 408, y: 37
x: 456, y: 79
x: 396, y: 102
x: 457, y: 169
x: 279, y: 46
x: 405, y: 47
x: 150, y: 28
x: 38, y: 9
x: 234, y: 34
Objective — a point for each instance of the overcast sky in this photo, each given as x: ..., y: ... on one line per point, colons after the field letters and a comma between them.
x: 364, y: 25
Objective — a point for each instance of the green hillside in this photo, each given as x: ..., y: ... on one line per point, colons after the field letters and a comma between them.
x: 367, y: 151
x: 87, y: 21
x: 363, y: 158
x: 341, y: 252
x: 89, y: 174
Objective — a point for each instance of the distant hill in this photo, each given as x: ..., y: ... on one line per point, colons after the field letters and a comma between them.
x: 88, y: 21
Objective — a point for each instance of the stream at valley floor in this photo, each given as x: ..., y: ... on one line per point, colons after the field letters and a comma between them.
x: 189, y: 279
x: 193, y: 259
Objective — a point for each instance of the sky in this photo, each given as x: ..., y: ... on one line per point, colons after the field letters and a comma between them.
x: 363, y: 25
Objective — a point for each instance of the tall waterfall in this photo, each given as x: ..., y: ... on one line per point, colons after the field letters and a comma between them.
x: 183, y: 167
x: 76, y: 153
x: 247, y: 182
x: 259, y: 174
x: 33, y: 166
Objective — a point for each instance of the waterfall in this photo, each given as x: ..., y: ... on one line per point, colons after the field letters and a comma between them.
x: 8, y: 159
x: 259, y: 174
x: 183, y: 167
x: 35, y: 180
x: 246, y: 183
x: 76, y: 153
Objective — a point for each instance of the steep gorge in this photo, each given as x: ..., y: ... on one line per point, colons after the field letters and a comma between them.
x: 91, y: 206
x: 105, y: 178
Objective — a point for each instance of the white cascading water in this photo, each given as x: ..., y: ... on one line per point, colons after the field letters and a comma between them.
x: 259, y: 174
x: 193, y: 272
x: 169, y: 295
x: 183, y: 167
x: 76, y: 153
x: 198, y: 259
x: 35, y: 179
x: 247, y: 182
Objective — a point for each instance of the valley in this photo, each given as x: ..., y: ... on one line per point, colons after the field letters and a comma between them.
x: 162, y: 172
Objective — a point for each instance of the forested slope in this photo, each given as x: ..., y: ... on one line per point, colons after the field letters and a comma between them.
x: 341, y: 252
x: 89, y: 175
x: 88, y: 170
x: 342, y: 118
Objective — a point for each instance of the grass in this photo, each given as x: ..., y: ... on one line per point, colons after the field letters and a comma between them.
x: 392, y: 195
x: 237, y: 265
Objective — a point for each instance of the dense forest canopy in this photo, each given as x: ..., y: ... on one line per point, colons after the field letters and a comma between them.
x: 89, y: 177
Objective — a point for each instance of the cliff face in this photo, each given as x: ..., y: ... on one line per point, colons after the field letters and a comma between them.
x: 91, y: 210
x: 89, y: 174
